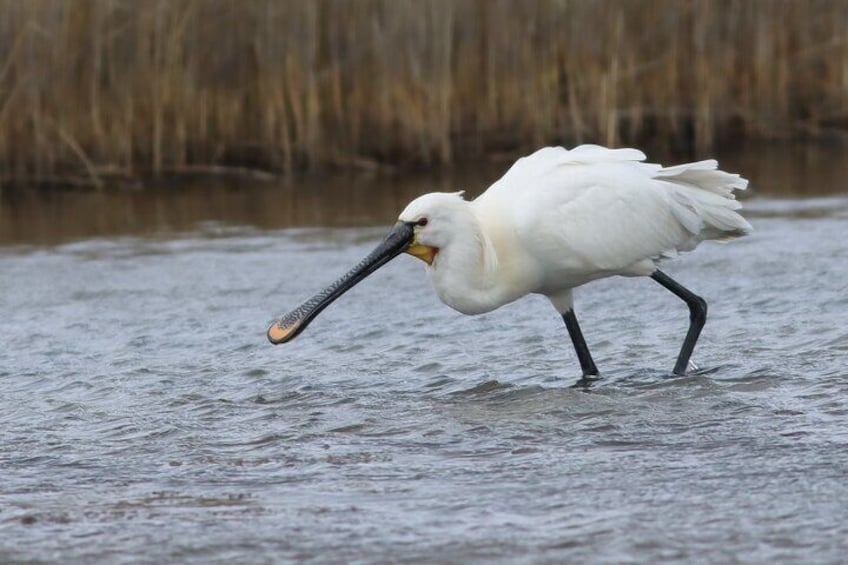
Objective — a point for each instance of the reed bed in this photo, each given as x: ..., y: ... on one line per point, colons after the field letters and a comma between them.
x: 94, y: 90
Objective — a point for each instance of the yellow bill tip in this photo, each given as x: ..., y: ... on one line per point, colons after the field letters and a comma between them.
x: 279, y: 334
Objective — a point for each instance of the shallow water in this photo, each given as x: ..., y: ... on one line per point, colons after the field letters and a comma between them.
x: 358, y: 200
x: 145, y: 418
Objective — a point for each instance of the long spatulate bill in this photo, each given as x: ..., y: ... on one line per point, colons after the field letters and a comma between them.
x: 289, y: 326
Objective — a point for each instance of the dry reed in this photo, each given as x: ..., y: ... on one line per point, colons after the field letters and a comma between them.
x: 93, y: 90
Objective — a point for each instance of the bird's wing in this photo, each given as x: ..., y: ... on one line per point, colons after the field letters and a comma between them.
x: 596, y: 211
x: 525, y: 174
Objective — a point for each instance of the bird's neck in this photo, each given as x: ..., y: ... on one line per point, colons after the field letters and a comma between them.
x: 466, y: 273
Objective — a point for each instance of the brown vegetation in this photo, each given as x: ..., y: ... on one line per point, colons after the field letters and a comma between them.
x: 92, y: 90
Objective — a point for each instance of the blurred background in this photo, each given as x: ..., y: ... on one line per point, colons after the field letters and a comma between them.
x: 94, y: 89
x: 392, y: 98
x: 382, y: 95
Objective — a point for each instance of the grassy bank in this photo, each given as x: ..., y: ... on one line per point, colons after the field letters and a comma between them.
x: 96, y: 90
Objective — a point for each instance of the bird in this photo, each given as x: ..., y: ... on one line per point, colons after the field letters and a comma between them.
x: 556, y: 220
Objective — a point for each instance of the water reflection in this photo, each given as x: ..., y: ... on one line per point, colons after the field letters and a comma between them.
x: 47, y: 217
x: 44, y: 217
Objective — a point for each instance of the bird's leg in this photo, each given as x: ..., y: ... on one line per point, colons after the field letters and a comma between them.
x: 590, y: 371
x: 697, y: 317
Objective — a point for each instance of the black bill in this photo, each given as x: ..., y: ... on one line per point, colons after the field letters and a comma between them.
x: 289, y: 326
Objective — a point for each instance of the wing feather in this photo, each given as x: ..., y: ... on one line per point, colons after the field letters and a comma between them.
x: 593, y: 211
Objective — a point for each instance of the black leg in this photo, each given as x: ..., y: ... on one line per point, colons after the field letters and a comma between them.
x: 586, y: 363
x: 697, y: 317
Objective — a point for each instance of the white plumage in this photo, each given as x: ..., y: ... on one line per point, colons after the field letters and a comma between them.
x: 559, y: 219
x: 556, y: 220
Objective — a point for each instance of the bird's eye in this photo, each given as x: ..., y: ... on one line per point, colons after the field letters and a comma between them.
x: 422, y: 222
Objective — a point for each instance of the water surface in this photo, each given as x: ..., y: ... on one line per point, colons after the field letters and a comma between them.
x: 144, y: 417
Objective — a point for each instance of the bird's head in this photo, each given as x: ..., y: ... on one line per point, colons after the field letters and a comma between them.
x: 429, y: 224
x: 434, y: 218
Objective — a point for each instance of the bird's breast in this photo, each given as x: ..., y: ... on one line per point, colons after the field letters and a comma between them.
x: 476, y: 291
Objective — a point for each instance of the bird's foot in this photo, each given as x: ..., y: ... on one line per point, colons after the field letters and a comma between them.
x: 691, y: 368
x: 586, y: 381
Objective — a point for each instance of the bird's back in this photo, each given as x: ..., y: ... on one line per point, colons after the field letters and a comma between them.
x: 592, y: 211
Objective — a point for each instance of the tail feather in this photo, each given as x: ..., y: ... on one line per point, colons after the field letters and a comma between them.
x: 706, y: 176
x: 704, y: 201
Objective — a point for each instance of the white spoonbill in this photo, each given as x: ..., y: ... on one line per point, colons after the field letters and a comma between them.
x: 556, y: 220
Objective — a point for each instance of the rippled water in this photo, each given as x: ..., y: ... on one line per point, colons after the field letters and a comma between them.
x: 144, y: 417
